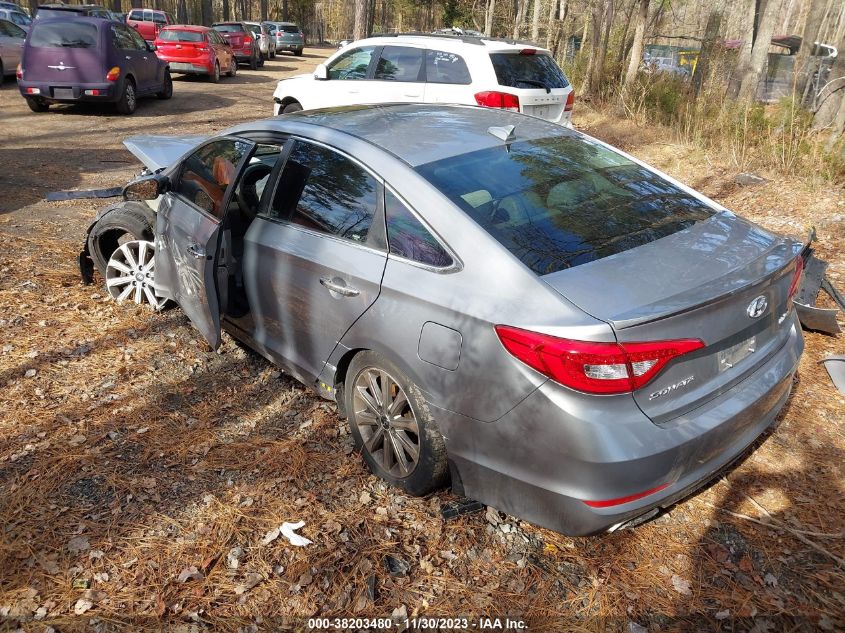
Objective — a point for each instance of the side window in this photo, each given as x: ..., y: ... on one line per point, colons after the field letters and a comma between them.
x: 254, y: 179
x: 122, y: 38
x: 207, y: 173
x: 159, y: 18
x: 136, y: 15
x: 352, y: 64
x: 148, y: 15
x: 324, y: 191
x: 140, y: 44
x: 446, y: 68
x: 408, y: 238
x: 399, y: 63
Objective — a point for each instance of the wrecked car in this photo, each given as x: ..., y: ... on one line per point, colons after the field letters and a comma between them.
x: 492, y: 300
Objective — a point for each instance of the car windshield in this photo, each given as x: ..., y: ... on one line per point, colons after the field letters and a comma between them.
x: 229, y: 28
x: 560, y: 202
x: 180, y: 36
x: 66, y: 34
x: 527, y: 71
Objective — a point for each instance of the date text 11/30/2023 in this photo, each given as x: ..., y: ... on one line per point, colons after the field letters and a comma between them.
x: 419, y: 623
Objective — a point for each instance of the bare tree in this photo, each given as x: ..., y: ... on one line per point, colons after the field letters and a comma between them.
x: 810, y: 34
x: 637, y: 47
x: 551, y: 29
x: 359, y: 31
x: 535, y: 22
x: 488, y: 17
x: 521, y: 6
x: 745, y: 85
x: 207, y: 12
x: 830, y: 112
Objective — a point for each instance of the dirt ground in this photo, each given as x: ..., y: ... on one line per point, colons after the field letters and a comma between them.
x: 142, y: 475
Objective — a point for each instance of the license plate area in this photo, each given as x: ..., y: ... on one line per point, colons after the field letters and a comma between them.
x: 735, y: 354
x: 63, y: 93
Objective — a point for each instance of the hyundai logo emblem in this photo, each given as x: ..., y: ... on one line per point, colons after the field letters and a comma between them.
x: 757, y: 307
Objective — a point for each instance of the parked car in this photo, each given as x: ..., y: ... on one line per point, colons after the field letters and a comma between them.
x: 89, y: 59
x: 12, y: 6
x: 244, y: 44
x: 287, y: 37
x: 148, y: 22
x: 434, y: 69
x: 196, y: 50
x: 572, y: 336
x: 11, y: 45
x: 19, y: 18
x: 45, y: 11
x: 266, y: 44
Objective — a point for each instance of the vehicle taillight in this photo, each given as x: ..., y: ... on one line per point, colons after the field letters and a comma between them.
x: 528, y: 51
x: 593, y: 367
x: 796, y: 277
x: 247, y: 40
x: 503, y: 100
x: 202, y: 49
x: 19, y: 72
x: 570, y: 101
x: 113, y: 74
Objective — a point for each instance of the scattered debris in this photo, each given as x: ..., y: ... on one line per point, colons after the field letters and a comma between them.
x: 747, y: 180
x: 812, y: 281
x: 681, y: 585
x: 287, y: 530
x: 82, y: 605
x: 455, y: 509
x: 78, y: 544
x: 250, y: 581
x: 835, y: 366
x: 396, y: 566
x: 233, y: 558
x: 190, y: 573
x: 56, y: 196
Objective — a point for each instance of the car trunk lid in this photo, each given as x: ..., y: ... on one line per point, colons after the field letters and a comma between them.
x: 724, y: 281
x: 235, y: 38
x: 64, y: 53
x: 182, y: 50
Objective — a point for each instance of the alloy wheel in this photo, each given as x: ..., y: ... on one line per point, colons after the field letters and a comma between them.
x: 130, y: 274
x: 386, y: 421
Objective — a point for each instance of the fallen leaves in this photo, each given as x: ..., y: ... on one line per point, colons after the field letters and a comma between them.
x: 189, y: 573
x: 681, y: 585
x: 78, y: 544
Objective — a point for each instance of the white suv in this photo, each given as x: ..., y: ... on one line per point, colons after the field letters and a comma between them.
x: 420, y: 68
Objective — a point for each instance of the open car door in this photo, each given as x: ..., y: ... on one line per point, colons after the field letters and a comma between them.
x: 188, y: 229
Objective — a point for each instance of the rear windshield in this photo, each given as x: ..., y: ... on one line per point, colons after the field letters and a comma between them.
x: 68, y: 34
x: 527, y: 71
x: 43, y: 14
x: 560, y: 202
x: 289, y: 28
x: 180, y: 36
x: 229, y: 28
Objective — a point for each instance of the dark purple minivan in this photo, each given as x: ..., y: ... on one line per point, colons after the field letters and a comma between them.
x: 68, y: 60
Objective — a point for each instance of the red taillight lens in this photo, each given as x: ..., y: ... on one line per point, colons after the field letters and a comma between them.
x: 607, y: 503
x: 503, y: 100
x: 570, y: 101
x: 528, y: 51
x: 247, y: 40
x: 593, y: 367
x: 113, y: 74
x: 19, y: 72
x: 796, y: 277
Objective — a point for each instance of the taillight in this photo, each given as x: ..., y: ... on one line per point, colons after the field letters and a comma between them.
x: 247, y: 40
x: 570, y: 101
x: 528, y: 51
x: 19, y: 72
x: 113, y: 74
x: 593, y: 367
x: 503, y: 100
x: 796, y: 277
x: 202, y: 49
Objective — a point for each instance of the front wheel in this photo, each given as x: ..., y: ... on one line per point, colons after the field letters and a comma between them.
x: 37, y: 105
x: 273, y: 54
x: 214, y: 77
x: 392, y: 427
x: 128, y: 100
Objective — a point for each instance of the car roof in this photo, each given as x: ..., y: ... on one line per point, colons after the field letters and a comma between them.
x: 241, y: 22
x: 445, y: 40
x: 419, y: 133
x: 186, y: 27
x: 85, y: 19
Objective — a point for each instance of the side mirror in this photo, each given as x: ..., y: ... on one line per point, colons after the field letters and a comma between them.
x: 321, y: 72
x: 151, y: 47
x: 146, y: 187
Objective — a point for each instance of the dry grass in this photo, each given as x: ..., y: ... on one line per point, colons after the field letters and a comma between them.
x: 163, y: 455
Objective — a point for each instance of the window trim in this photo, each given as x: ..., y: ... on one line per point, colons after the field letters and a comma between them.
x: 379, y: 211
x: 457, y: 264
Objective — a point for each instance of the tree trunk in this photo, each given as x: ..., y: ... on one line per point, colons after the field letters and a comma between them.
x: 637, y: 48
x: 265, y: 9
x: 520, y: 16
x: 535, y: 22
x: 488, y: 18
x: 711, y: 37
x: 624, y: 46
x: 181, y: 11
x: 804, y: 65
x: 359, y: 31
x: 595, y: 26
x: 832, y: 99
x: 759, y: 50
x: 550, y: 32
x: 207, y: 13
x: 226, y: 11
x: 598, y: 69
x: 285, y: 11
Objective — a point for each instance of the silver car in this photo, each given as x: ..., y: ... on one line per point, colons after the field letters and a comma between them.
x: 563, y: 332
x: 287, y: 36
x: 266, y: 44
x: 11, y: 46
x: 17, y: 17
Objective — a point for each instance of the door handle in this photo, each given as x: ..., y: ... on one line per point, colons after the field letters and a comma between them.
x: 127, y: 57
x: 196, y: 252
x: 346, y: 291
x: 414, y: 94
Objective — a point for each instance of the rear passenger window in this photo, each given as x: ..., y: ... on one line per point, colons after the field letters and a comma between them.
x: 446, y: 68
x: 399, y: 63
x: 324, y: 191
x: 408, y: 238
x: 122, y: 38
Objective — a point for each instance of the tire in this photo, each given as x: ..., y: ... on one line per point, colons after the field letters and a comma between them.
x: 37, y: 105
x: 214, y: 77
x: 292, y: 107
x: 370, y: 371
x: 122, y: 222
x: 253, y: 63
x: 261, y: 60
x: 167, y: 88
x: 2, y: 73
x: 128, y: 100
x: 234, y: 68
x: 273, y: 54
x: 298, y: 52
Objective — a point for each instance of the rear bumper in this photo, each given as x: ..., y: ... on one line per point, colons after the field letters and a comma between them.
x: 243, y: 57
x: 188, y: 68
x: 289, y: 46
x: 71, y: 93
x: 540, y: 461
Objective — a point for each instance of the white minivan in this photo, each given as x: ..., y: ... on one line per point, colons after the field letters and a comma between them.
x: 418, y: 68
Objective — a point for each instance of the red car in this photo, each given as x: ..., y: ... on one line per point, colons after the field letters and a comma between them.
x: 196, y: 50
x: 148, y: 22
x: 242, y: 41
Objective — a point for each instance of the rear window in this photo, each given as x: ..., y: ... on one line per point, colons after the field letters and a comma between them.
x: 69, y: 34
x: 229, y: 28
x: 289, y: 28
x: 180, y: 36
x: 43, y: 14
x: 527, y: 71
x: 560, y: 202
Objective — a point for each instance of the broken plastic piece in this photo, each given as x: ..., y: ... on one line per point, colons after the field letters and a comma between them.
x: 287, y: 530
x: 56, y: 196
x: 462, y: 506
x: 835, y: 366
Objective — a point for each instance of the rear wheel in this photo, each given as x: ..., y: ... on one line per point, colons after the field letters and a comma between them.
x: 273, y: 54
x: 167, y: 87
x: 2, y: 73
x: 261, y: 60
x: 233, y: 69
x: 291, y: 107
x: 214, y: 77
x: 37, y: 105
x: 392, y: 427
x: 128, y: 100
x: 253, y: 62
x: 298, y: 52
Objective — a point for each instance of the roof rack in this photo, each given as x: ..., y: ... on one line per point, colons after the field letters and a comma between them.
x: 467, y: 39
